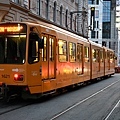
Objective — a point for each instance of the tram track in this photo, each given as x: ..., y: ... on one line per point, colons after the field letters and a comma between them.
x: 17, y: 104
x: 12, y: 109
x: 82, y: 101
x: 62, y: 112
x: 110, y: 113
x: 13, y: 105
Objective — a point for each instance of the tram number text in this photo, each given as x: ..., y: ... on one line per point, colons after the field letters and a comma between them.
x: 5, y: 76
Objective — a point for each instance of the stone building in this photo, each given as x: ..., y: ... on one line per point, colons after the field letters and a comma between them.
x: 69, y: 14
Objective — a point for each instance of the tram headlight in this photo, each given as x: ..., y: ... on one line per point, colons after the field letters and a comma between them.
x: 18, y: 77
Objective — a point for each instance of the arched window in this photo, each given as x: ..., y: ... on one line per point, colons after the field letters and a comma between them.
x: 38, y: 7
x: 61, y: 17
x: 75, y: 23
x: 47, y: 9
x: 66, y: 18
x: 25, y: 3
x: 54, y: 11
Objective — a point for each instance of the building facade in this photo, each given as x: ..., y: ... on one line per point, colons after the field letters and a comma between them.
x: 59, y: 12
x: 101, y: 22
x: 118, y: 27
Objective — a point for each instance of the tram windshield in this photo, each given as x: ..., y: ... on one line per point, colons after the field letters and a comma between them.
x: 12, y: 43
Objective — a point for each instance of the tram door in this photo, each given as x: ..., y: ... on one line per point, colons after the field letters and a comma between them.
x: 48, y: 57
x: 80, y: 58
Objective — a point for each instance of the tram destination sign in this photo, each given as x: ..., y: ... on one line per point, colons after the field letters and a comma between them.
x: 12, y: 28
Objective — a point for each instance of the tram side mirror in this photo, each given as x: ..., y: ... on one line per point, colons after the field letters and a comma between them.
x: 41, y: 43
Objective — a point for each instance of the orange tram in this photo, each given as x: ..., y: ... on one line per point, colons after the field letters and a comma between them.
x: 39, y: 58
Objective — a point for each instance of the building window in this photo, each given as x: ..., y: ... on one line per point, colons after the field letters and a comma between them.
x: 97, y: 24
x: 54, y: 11
x: 106, y: 11
x: 25, y: 3
x: 95, y: 41
x: 47, y: 8
x: 97, y: 34
x: 109, y: 44
x: 61, y: 16
x: 94, y: 25
x: 103, y: 43
x: 114, y: 45
x: 66, y: 18
x: 92, y: 34
x: 75, y: 23
x: 96, y: 13
x: 97, y: 2
x: 106, y: 31
x: 72, y: 0
x: 16, y: 1
x: 91, y: 1
x: 38, y: 6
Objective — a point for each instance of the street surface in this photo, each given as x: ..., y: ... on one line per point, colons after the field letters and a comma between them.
x: 98, y: 101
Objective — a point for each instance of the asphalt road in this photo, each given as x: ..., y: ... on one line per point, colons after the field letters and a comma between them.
x: 98, y: 101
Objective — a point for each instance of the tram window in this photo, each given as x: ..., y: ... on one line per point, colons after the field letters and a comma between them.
x: 33, y: 50
x: 108, y: 55
x: 2, y: 49
x: 97, y: 55
x: 105, y: 55
x: 93, y: 55
x: 72, y: 52
x: 111, y: 57
x: 79, y: 52
x: 101, y: 56
x: 86, y: 53
x: 51, y: 49
x: 44, y: 50
x: 62, y: 50
x: 12, y: 49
